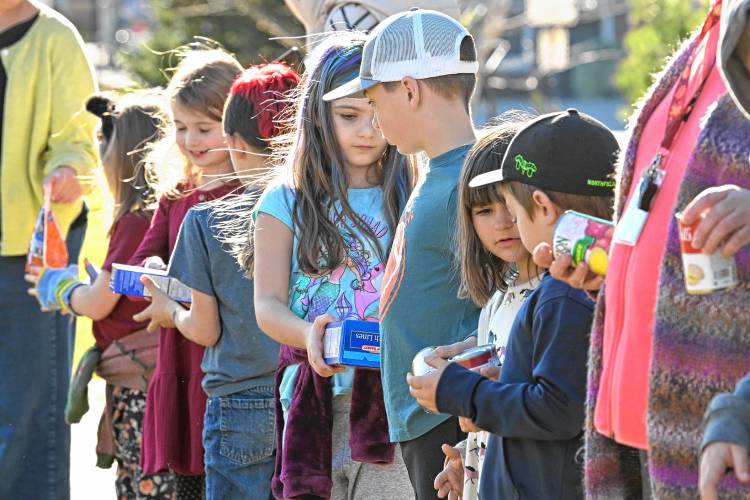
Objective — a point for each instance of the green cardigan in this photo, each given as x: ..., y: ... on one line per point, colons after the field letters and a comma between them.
x: 45, y: 124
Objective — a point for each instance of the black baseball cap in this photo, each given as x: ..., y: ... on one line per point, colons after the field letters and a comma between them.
x: 567, y: 152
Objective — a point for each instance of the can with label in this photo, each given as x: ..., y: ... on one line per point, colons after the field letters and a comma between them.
x: 585, y: 238
x: 704, y: 273
x: 476, y: 356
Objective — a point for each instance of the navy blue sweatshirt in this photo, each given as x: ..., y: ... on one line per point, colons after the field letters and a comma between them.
x: 535, y: 411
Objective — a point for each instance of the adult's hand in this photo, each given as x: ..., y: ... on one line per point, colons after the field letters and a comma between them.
x: 561, y: 269
x: 716, y: 459
x: 63, y: 184
x: 726, y: 219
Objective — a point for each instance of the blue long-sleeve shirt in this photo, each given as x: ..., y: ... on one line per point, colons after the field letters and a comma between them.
x: 535, y: 411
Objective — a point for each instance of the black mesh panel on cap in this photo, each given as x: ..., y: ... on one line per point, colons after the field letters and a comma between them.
x: 397, y: 42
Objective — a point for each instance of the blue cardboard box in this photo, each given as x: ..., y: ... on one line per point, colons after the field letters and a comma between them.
x: 127, y: 281
x: 352, y: 343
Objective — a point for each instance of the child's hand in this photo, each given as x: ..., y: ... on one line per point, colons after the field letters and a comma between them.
x: 155, y: 262
x: 32, y: 276
x: 450, y: 482
x: 314, y: 346
x: 446, y: 351
x: 726, y: 224
x: 467, y: 425
x: 560, y: 269
x: 423, y: 388
x: 489, y: 371
x: 161, y: 311
x: 716, y: 458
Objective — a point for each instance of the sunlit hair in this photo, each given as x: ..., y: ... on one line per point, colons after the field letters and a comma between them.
x: 482, y: 273
x: 201, y: 83
x: 257, y: 108
x: 256, y: 102
x: 313, y: 164
x: 132, y: 123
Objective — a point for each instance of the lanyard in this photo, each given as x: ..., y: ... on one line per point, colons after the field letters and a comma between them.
x: 679, y: 110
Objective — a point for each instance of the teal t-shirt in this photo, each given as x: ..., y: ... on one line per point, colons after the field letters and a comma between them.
x: 419, y: 306
x: 352, y: 291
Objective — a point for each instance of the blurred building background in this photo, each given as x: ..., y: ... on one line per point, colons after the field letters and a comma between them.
x: 538, y: 55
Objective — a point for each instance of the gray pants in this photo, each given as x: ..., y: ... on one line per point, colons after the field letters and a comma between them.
x: 362, y: 481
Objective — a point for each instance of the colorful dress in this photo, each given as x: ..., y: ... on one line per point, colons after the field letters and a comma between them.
x: 495, y: 323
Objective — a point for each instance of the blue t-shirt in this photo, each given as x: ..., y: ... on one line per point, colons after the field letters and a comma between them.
x: 244, y: 357
x: 420, y: 307
x: 352, y: 291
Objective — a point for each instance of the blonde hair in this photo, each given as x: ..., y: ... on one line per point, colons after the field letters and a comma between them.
x: 138, y: 120
x: 201, y: 83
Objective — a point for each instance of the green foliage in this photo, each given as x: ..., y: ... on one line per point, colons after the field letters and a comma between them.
x: 658, y: 26
x: 243, y: 27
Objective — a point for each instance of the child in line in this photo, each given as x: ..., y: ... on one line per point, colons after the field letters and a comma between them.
x: 240, y: 360
x: 126, y: 352
x: 535, y: 411
x: 497, y: 272
x: 419, y: 72
x: 175, y: 401
x: 322, y: 235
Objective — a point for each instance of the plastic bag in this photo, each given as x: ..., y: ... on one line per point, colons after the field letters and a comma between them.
x: 47, y: 247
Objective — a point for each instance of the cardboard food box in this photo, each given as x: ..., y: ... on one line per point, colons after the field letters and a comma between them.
x: 352, y: 343
x: 127, y: 281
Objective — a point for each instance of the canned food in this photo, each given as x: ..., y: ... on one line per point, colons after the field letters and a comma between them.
x: 704, y: 273
x: 585, y: 238
x: 418, y: 365
x: 476, y: 356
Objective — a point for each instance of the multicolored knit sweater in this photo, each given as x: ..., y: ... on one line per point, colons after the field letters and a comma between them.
x: 701, y: 343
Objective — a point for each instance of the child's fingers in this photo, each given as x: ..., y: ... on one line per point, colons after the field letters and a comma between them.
x: 560, y: 267
x: 740, y: 460
x: 450, y: 452
x: 491, y: 372
x: 542, y: 255
x: 32, y: 292
x: 153, y: 326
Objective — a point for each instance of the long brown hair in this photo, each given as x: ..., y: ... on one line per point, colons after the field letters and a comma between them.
x: 314, y: 164
x: 200, y: 82
x: 481, y: 272
x: 135, y: 120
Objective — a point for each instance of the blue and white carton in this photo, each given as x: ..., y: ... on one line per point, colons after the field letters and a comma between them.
x: 126, y: 280
x: 352, y: 343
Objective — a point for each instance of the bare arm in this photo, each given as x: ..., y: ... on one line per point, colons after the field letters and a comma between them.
x: 200, y: 323
x: 96, y: 300
x: 273, y: 257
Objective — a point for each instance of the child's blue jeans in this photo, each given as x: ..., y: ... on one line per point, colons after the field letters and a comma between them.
x: 238, y: 442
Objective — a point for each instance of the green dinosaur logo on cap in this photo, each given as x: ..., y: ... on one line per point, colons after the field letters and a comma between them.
x: 526, y: 168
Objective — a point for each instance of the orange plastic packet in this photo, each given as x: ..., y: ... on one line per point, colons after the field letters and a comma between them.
x: 47, y: 247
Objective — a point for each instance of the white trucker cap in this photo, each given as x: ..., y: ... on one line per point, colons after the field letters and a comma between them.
x: 416, y: 43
